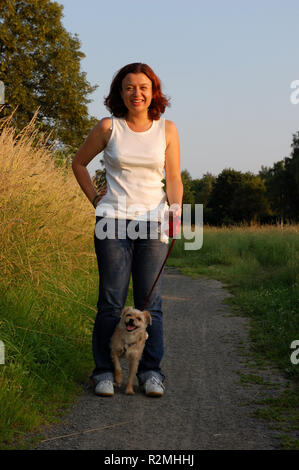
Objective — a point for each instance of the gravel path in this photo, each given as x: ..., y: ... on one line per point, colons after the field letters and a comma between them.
x: 204, y: 406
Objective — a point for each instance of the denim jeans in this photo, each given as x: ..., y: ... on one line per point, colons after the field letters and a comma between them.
x: 117, y: 259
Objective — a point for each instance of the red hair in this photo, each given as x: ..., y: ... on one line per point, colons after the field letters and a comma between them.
x: 114, y: 100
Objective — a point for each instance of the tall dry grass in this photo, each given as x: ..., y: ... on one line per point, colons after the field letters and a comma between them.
x: 44, y: 214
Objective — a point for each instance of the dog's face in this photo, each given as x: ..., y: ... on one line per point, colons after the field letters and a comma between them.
x: 134, y: 319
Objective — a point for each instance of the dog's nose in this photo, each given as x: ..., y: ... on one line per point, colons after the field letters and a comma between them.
x: 131, y: 322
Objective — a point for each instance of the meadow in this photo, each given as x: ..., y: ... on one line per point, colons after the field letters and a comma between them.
x: 49, y: 285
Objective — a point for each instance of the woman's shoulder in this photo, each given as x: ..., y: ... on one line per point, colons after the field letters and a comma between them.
x: 170, y: 129
x: 103, y: 130
x: 105, y: 124
x: 170, y: 126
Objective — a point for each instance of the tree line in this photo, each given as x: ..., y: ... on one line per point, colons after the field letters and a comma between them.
x: 233, y: 197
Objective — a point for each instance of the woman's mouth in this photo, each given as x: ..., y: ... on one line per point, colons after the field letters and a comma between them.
x: 137, y: 102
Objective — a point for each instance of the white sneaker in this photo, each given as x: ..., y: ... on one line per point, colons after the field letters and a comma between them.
x: 104, y: 388
x: 153, y: 387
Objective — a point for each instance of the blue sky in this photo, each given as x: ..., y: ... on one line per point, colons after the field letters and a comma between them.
x: 227, y: 67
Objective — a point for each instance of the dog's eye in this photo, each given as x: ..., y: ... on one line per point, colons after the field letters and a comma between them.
x: 138, y: 318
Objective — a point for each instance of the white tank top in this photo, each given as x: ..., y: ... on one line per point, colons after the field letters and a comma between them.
x: 134, y: 163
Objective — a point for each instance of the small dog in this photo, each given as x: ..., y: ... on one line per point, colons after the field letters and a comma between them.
x: 128, y: 340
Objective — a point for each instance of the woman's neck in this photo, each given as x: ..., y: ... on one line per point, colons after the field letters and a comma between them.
x: 139, y: 122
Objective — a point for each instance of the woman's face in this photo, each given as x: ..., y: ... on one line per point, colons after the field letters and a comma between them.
x: 136, y: 92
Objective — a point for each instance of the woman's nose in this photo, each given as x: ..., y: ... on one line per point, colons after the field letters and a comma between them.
x: 136, y: 92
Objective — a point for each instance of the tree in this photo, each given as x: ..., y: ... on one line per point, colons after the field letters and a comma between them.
x: 40, y: 66
x: 292, y: 176
x: 276, y: 186
x: 238, y: 197
x: 188, y: 196
x: 250, y: 201
x: 223, y: 192
x: 202, y: 188
x: 282, y: 182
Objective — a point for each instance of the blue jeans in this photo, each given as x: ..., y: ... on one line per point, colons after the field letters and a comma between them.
x: 117, y: 259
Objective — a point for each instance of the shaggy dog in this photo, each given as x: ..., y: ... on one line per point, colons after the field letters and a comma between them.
x: 128, y: 340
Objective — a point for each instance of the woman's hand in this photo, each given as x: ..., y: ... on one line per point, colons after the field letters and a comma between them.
x: 172, y: 224
x: 100, y: 195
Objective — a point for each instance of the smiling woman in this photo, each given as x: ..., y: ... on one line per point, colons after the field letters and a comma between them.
x: 130, y: 79
x: 136, y: 92
x: 138, y: 146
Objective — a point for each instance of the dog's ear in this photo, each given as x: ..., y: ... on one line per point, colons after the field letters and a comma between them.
x: 148, y: 317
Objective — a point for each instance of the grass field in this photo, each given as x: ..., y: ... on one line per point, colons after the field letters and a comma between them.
x: 260, y: 266
x: 49, y: 287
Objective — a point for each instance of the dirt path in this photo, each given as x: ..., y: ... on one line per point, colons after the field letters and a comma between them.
x: 204, y: 406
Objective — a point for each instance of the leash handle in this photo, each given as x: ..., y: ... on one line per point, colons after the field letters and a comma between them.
x: 148, y: 296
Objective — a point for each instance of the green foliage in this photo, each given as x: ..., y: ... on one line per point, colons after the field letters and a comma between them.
x: 282, y: 183
x: 188, y: 196
x: 40, y: 66
x: 47, y: 352
x: 202, y: 188
x: 237, y: 197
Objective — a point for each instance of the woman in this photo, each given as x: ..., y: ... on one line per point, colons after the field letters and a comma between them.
x: 138, y: 145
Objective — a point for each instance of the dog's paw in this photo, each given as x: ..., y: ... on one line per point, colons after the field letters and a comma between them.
x: 130, y: 391
x: 118, y: 380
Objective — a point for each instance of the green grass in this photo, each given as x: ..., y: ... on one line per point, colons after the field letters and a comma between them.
x: 261, y: 268
x: 46, y: 331
x: 47, y: 326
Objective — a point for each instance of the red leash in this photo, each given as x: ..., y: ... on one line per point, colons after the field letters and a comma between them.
x: 169, y: 250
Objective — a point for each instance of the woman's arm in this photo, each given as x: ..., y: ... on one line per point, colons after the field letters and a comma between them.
x: 94, y: 144
x: 174, y: 185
